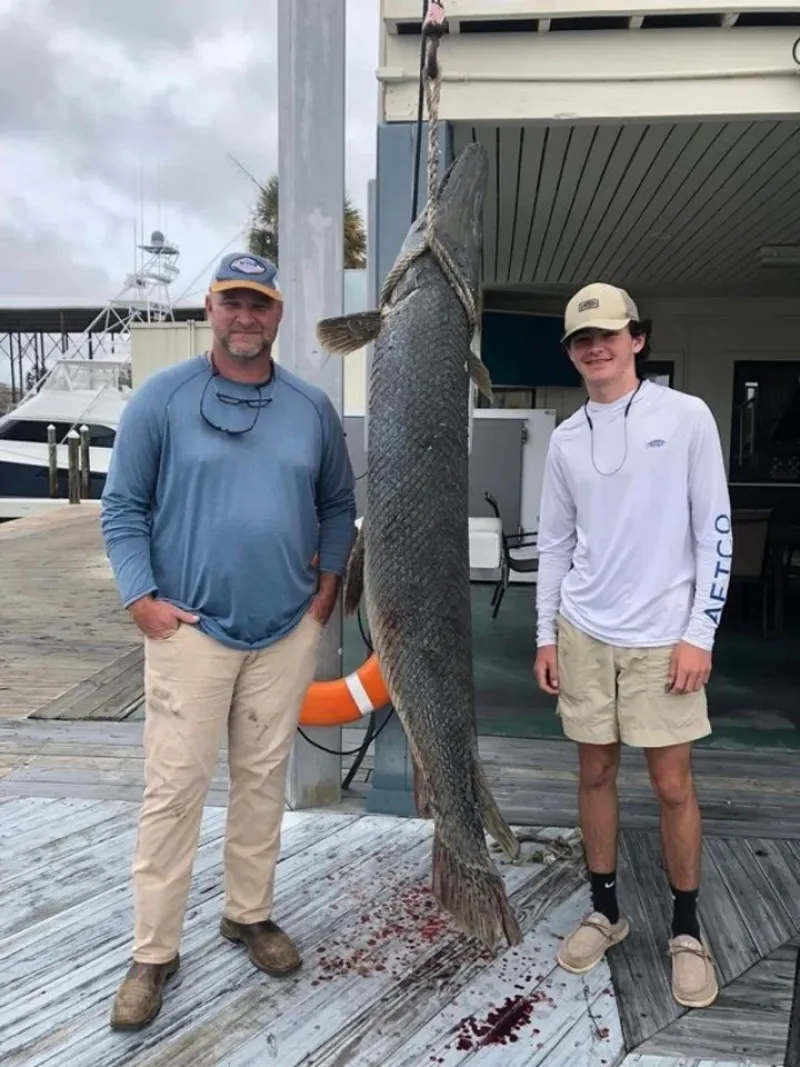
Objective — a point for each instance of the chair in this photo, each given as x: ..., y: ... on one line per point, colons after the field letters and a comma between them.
x: 508, y: 563
x: 749, y: 566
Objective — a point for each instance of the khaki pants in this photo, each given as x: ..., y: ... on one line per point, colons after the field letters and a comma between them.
x: 609, y: 694
x: 194, y: 689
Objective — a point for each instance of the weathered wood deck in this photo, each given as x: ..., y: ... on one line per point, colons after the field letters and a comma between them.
x: 748, y: 793
x: 387, y: 981
x: 60, y: 617
x: 68, y: 804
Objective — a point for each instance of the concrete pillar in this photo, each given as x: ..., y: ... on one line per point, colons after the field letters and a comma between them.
x: 311, y: 138
x: 391, y: 782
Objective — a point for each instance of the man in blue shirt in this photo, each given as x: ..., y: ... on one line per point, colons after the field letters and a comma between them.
x: 228, y: 517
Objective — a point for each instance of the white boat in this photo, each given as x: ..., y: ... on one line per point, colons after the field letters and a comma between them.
x: 81, y: 391
x: 74, y: 393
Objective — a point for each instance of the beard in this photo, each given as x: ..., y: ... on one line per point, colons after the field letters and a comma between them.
x: 244, y: 349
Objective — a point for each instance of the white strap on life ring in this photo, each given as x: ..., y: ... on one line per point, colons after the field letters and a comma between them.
x: 359, y: 694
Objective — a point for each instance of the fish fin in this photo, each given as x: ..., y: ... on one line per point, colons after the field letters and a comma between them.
x: 491, y: 816
x: 344, y: 334
x: 474, y: 896
x: 354, y: 577
x: 422, y: 796
x: 480, y: 375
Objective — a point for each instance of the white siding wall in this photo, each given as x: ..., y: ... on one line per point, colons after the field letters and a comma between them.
x: 154, y: 347
x: 651, y: 73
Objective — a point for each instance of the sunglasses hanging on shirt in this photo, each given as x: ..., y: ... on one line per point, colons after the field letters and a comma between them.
x: 608, y: 474
x: 254, y: 404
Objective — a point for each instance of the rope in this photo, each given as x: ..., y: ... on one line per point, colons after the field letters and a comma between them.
x: 432, y: 81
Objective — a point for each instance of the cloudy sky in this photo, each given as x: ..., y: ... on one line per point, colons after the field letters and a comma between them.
x: 102, y: 101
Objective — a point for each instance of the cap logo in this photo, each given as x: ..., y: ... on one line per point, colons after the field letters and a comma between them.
x: 246, y: 265
x: 588, y: 305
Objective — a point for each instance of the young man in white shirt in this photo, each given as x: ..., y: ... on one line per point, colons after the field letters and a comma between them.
x: 634, y: 560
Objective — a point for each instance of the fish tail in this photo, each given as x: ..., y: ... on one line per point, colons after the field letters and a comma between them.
x: 354, y: 578
x: 344, y: 334
x: 490, y: 813
x: 475, y: 897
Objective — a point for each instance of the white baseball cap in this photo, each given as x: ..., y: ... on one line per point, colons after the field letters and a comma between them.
x: 599, y: 307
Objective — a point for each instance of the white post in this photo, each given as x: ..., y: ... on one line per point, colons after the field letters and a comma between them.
x: 311, y: 137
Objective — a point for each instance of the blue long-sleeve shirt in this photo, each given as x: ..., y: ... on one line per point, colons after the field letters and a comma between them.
x: 227, y: 525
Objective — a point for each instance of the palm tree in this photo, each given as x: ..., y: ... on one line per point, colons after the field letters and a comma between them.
x: 262, y: 237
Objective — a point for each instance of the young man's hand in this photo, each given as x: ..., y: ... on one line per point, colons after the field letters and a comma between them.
x: 689, y: 668
x: 545, y: 669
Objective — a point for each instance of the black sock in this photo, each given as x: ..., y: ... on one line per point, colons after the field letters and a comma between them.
x: 604, y: 895
x: 684, y: 915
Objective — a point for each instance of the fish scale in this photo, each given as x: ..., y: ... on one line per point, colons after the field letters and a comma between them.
x: 411, y: 559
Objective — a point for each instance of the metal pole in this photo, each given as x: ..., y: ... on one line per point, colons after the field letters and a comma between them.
x: 52, y: 461
x: 311, y: 135
x: 73, y: 451
x: 86, y: 470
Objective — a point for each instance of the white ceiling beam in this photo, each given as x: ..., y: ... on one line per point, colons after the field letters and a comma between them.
x: 635, y: 22
x: 409, y: 10
x: 729, y: 20
x: 544, y: 25
x: 534, y: 76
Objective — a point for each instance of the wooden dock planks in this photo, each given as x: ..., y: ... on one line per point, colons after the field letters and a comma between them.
x: 60, y: 616
x: 750, y: 913
x: 113, y: 693
x: 749, y: 794
x: 387, y: 981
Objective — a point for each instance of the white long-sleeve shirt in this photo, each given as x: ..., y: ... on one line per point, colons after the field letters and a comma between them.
x: 640, y: 557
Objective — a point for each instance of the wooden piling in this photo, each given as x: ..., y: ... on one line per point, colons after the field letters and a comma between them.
x: 74, y: 445
x: 52, y: 461
x: 86, y: 471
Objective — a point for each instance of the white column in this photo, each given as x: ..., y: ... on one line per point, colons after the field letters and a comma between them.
x: 311, y: 138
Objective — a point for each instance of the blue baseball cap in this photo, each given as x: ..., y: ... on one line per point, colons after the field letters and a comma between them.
x: 244, y: 270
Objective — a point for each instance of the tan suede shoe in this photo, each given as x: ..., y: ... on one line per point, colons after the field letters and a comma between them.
x: 139, y: 997
x: 587, y: 944
x: 694, y: 980
x: 269, y: 948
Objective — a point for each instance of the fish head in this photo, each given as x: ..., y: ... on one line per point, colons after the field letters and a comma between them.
x: 459, y: 214
x: 459, y: 210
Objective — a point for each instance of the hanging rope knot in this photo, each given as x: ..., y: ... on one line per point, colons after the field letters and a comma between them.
x: 435, y: 23
x: 434, y: 27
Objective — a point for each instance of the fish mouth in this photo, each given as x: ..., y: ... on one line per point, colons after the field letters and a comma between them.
x: 467, y: 175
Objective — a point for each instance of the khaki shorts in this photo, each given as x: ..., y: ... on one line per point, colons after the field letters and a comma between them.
x: 609, y: 694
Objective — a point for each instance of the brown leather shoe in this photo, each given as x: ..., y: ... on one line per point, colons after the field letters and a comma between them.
x: 269, y: 948
x: 139, y: 998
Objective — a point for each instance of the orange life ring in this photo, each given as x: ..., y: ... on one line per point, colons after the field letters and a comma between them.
x: 342, y: 700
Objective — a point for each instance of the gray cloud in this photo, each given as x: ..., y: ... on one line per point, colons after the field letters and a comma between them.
x: 159, y: 24
x: 31, y: 260
x: 155, y: 97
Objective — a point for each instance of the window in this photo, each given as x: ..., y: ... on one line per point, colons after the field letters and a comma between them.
x: 765, y: 432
